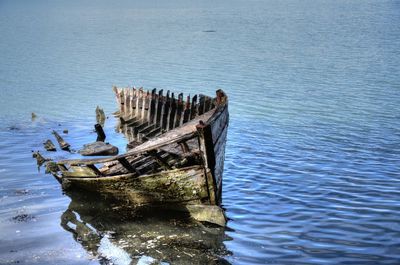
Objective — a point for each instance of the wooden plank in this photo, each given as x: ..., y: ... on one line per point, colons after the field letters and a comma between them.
x: 126, y: 165
x: 207, y: 149
x: 219, y: 121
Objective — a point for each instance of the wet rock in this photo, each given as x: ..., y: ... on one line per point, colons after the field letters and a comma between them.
x: 98, y: 149
x: 49, y: 146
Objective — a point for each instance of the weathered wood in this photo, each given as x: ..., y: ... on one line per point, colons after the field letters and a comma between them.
x: 172, y: 186
x: 40, y: 159
x: 185, y: 132
x: 179, y: 111
x: 207, y: 104
x: 146, y: 106
x: 139, y: 104
x: 200, y: 109
x: 49, y: 146
x: 207, y: 149
x: 133, y: 102
x: 152, y: 106
x: 100, y: 116
x: 166, y: 110
x: 193, y: 111
x: 101, y: 136
x: 186, y: 113
x: 63, y: 144
x: 160, y: 106
x: 172, y: 114
x: 126, y: 165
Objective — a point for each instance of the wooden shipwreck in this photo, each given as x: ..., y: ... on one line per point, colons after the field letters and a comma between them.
x: 175, y: 156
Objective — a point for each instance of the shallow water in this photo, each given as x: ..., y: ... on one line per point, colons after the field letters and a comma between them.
x: 313, y: 154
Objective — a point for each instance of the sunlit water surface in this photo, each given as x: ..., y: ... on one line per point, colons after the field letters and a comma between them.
x: 313, y: 154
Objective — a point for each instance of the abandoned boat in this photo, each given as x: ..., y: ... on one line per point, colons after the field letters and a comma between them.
x: 175, y: 154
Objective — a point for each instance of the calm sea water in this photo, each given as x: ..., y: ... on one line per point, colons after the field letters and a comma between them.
x: 312, y: 169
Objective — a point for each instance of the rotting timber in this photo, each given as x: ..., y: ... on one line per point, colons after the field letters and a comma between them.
x: 175, y: 154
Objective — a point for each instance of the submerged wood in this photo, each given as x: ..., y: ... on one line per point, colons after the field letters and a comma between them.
x: 49, y: 146
x: 176, y: 156
x: 63, y: 144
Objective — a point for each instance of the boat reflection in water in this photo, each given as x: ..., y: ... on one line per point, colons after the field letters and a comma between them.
x: 117, y: 234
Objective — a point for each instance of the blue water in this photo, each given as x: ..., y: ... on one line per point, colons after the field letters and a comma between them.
x: 313, y: 154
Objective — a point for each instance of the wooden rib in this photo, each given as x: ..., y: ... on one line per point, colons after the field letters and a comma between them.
x: 186, y: 112
x: 138, y: 103
x: 172, y: 113
x: 152, y: 106
x: 193, y: 111
x: 160, y: 106
x: 200, y: 106
x: 207, y: 104
x: 165, y: 112
x: 179, y: 110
